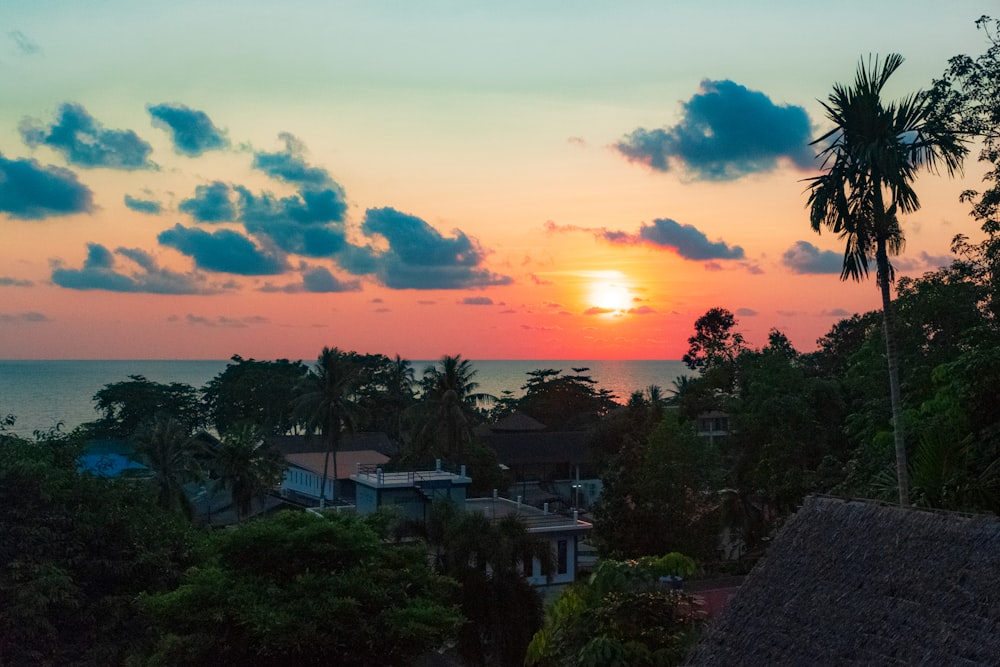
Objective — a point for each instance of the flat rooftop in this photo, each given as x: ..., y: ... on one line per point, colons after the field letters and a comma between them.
x: 536, y: 520
x: 385, y: 480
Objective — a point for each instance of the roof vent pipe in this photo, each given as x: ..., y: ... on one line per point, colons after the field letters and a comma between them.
x: 545, y: 508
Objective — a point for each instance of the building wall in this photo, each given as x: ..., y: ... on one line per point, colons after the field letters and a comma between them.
x: 305, y: 482
x: 563, y: 547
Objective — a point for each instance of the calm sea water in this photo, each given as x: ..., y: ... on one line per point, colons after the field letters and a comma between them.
x: 42, y: 394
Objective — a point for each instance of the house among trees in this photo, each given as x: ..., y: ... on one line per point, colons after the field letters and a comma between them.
x: 563, y: 533
x: 546, y: 466
x: 849, y: 582
x: 713, y: 424
x: 414, y: 493
x: 306, y: 459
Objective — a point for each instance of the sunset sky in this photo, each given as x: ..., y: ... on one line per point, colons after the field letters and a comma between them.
x: 503, y: 180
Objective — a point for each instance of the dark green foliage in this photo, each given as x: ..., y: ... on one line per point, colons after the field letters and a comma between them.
x: 787, y: 423
x: 174, y: 458
x: 660, y: 495
x: 256, y: 392
x: 624, y: 615
x: 967, y: 96
x: 75, y: 550
x: 450, y: 405
x: 305, y: 590
x: 246, y: 466
x: 501, y: 608
x: 564, y: 402
x: 714, y: 342
x: 132, y: 404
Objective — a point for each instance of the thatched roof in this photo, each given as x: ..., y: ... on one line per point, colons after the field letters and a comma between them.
x: 859, y: 583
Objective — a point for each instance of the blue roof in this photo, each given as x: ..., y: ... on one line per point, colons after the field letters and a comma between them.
x: 108, y: 465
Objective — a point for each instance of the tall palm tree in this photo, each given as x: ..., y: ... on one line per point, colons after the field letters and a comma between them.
x: 398, y: 381
x: 247, y: 466
x: 172, y: 455
x: 326, y: 401
x: 450, y: 390
x: 486, y: 556
x: 870, y: 159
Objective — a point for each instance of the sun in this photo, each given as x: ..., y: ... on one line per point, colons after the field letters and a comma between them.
x: 610, y: 296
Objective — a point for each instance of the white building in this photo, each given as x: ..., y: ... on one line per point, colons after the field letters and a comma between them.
x: 414, y: 492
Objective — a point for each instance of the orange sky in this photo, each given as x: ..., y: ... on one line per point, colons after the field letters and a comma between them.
x: 458, y: 178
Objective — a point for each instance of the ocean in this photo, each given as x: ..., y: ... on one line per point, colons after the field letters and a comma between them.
x: 42, y: 394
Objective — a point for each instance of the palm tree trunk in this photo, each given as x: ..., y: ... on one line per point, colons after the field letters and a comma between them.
x: 322, y: 489
x: 335, y: 447
x: 892, y: 358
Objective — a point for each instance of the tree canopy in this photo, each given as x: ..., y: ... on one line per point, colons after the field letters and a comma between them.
x: 307, y: 590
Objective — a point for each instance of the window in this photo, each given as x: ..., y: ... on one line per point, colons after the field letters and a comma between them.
x: 562, y: 564
x: 527, y: 565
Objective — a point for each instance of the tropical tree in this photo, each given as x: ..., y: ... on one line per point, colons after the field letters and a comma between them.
x: 486, y: 557
x: 870, y: 159
x: 565, y: 402
x: 301, y: 589
x: 247, y: 466
x: 659, y: 494
x: 76, y: 550
x: 175, y: 459
x: 326, y: 400
x: 261, y: 392
x: 130, y: 405
x: 394, y: 380
x: 626, y: 614
x: 451, y: 400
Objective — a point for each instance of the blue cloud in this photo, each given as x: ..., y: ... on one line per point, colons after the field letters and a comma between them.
x: 688, y: 241
x: 307, y: 207
x: 319, y: 279
x: 101, y: 271
x: 192, y: 131
x: 30, y: 191
x: 84, y: 142
x: 477, y: 301
x: 419, y: 257
x: 804, y: 257
x: 211, y: 203
x: 143, y: 205
x: 359, y: 260
x: 290, y: 166
x: 307, y: 223
x: 223, y: 250
x: 726, y: 131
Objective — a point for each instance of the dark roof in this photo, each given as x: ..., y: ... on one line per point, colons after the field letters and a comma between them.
x: 517, y: 421
x: 538, y: 447
x: 349, y: 442
x: 850, y: 582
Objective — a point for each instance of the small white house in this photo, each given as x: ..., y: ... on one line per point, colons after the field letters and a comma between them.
x: 564, y: 533
x: 414, y: 492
